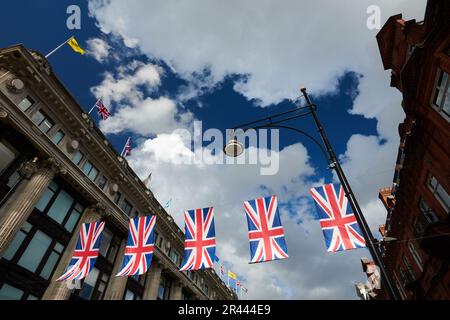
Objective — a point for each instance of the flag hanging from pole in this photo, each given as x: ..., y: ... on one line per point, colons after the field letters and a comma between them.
x: 339, y: 225
x: 200, y: 239
x: 140, y: 246
x: 85, y: 253
x: 265, y: 231
x: 103, y: 112
x: 75, y: 46
x: 127, y: 149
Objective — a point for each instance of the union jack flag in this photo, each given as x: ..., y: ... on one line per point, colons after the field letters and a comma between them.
x: 200, y: 239
x: 127, y: 149
x: 85, y: 253
x: 140, y: 247
x: 338, y: 223
x: 102, y: 110
x: 265, y: 230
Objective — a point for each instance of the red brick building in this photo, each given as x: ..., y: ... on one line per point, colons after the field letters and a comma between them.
x: 418, y: 203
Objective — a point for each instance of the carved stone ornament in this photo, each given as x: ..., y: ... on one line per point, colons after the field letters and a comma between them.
x: 52, y: 164
x: 15, y: 85
x: 27, y: 169
x: 3, y: 114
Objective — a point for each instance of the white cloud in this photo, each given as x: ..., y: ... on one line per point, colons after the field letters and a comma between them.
x: 279, y: 45
x: 126, y: 94
x: 98, y: 49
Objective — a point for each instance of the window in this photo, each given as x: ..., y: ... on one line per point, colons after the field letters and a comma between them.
x: 117, y: 197
x: 35, y: 251
x: 109, y: 246
x: 94, y: 285
x: 7, y: 156
x: 164, y: 289
x: 78, y: 157
x: 8, y: 292
x: 26, y: 104
x: 90, y: 170
x: 175, y: 257
x: 441, y: 100
x: 425, y: 218
x: 415, y: 255
x: 129, y: 295
x: 42, y: 121
x: 439, y: 192
x: 17, y: 241
x: 126, y: 207
x: 102, y: 182
x: 60, y: 206
x: 57, y: 138
x: 409, y: 268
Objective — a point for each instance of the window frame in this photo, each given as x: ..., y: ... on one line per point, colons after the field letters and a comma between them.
x: 44, y: 119
x: 30, y: 99
x: 439, y: 105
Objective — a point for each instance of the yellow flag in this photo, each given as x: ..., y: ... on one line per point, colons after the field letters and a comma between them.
x: 74, y: 45
x: 232, y: 275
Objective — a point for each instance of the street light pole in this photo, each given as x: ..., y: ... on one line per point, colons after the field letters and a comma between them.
x: 370, y: 241
x: 234, y: 148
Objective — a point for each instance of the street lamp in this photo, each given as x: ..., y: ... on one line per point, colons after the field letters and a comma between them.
x: 234, y: 148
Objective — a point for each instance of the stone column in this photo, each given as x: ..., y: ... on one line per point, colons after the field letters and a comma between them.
x: 152, y: 282
x: 117, y: 285
x: 60, y: 290
x: 176, y: 290
x: 13, y: 214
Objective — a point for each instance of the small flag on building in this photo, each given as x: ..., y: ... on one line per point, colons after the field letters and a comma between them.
x: 338, y: 223
x: 85, y: 253
x: 72, y: 43
x: 140, y: 246
x: 200, y: 239
x: 102, y: 110
x: 75, y: 46
x: 265, y: 231
x: 127, y: 149
x: 168, y: 204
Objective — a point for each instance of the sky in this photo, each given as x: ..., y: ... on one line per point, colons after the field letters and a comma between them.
x: 160, y: 66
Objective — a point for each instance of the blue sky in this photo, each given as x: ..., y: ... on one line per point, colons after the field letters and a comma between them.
x: 200, y: 77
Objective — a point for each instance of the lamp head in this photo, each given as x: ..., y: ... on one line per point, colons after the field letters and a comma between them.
x: 233, y: 148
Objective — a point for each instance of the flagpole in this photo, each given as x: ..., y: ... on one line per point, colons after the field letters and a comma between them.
x: 123, y: 150
x: 95, y: 105
x: 59, y: 47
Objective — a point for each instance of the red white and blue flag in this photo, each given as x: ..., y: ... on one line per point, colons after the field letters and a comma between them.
x: 265, y: 231
x: 200, y: 239
x: 127, y: 149
x: 85, y: 253
x: 102, y: 110
x: 140, y: 247
x: 338, y: 223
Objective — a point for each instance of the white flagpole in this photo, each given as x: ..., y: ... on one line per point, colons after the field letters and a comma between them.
x: 95, y: 105
x: 123, y: 150
x: 59, y: 47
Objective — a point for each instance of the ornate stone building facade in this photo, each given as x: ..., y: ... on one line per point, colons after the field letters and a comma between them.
x: 57, y: 171
x: 416, y: 250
